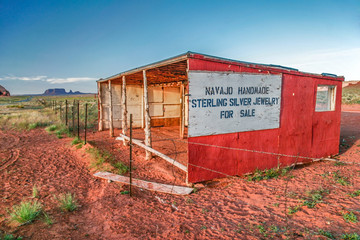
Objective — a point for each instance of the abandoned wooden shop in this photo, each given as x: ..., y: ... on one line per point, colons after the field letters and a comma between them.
x: 232, y: 117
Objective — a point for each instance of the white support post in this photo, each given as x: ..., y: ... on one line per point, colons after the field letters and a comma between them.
x: 182, y: 113
x: 111, y: 111
x: 124, y: 109
x: 100, y: 126
x: 147, y: 117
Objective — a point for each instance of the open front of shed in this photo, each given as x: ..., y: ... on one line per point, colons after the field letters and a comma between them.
x: 234, y: 117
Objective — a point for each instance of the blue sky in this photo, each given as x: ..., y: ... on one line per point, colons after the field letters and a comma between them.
x: 71, y: 44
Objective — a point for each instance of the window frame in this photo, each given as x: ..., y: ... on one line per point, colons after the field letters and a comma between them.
x: 331, y: 96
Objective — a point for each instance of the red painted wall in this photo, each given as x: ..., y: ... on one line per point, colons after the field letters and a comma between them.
x: 302, y: 132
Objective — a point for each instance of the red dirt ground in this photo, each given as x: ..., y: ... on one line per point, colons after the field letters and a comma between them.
x: 225, y: 208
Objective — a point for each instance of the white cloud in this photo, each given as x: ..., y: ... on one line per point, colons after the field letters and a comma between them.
x: 69, y: 80
x: 11, y: 77
x: 49, y: 80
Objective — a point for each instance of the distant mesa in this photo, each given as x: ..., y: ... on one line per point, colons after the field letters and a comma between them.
x: 4, y: 92
x: 351, y: 84
x: 60, y: 91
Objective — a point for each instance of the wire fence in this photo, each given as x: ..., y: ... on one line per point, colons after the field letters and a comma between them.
x: 283, y: 191
x: 77, y: 115
x: 74, y: 116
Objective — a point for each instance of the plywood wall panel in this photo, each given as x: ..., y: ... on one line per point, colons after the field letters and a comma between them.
x: 172, y: 111
x: 172, y: 95
x: 155, y: 94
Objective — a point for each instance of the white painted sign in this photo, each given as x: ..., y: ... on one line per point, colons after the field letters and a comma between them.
x: 221, y: 102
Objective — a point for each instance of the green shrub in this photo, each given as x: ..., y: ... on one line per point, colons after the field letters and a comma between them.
x: 26, y: 212
x: 326, y: 234
x: 314, y: 197
x: 121, y: 168
x: 341, y: 179
x: 102, y: 156
x: 51, y: 128
x: 350, y: 236
x: 67, y: 202
x: 47, y: 219
x: 350, y: 217
x: 35, y: 192
x: 37, y: 124
x: 76, y: 141
x: 259, y: 175
x: 10, y: 237
x: 355, y: 193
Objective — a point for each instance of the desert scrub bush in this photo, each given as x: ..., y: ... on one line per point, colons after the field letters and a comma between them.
x: 51, y: 128
x: 37, y: 124
x: 15, y: 106
x: 67, y: 202
x: 76, y: 141
x: 355, y: 193
x: 326, y: 234
x: 294, y: 209
x: 259, y: 175
x: 47, y: 219
x: 120, y: 167
x: 10, y: 237
x: 59, y: 130
x: 340, y: 179
x: 350, y: 236
x: 350, y: 217
x: 26, y: 212
x: 97, y: 156
x: 35, y: 192
x: 26, y: 119
x: 351, y: 95
x: 102, y: 156
x: 314, y: 197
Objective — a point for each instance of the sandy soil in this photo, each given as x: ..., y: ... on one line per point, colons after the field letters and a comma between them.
x: 225, y: 208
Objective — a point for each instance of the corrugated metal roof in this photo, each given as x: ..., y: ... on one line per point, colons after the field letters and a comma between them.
x: 190, y: 54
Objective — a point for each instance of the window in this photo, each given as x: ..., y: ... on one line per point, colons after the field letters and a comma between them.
x: 325, y: 98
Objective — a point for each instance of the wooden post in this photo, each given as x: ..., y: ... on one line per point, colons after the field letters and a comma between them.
x: 111, y: 111
x: 130, y: 164
x: 182, y: 109
x: 124, y: 108
x: 100, y: 127
x: 142, y: 113
x: 147, y: 117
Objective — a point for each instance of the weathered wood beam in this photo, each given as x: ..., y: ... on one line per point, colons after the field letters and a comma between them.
x: 111, y: 111
x: 147, y: 128
x: 100, y: 126
x: 124, y: 108
x: 153, y: 186
x: 157, y: 153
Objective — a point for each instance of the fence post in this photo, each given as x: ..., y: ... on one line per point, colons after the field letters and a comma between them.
x: 130, y: 164
x: 85, y: 120
x: 78, y: 119
x: 60, y: 110
x: 66, y: 112
x: 73, y: 118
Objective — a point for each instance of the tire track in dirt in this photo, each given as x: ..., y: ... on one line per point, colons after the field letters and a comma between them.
x: 7, y: 143
x: 14, y: 155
